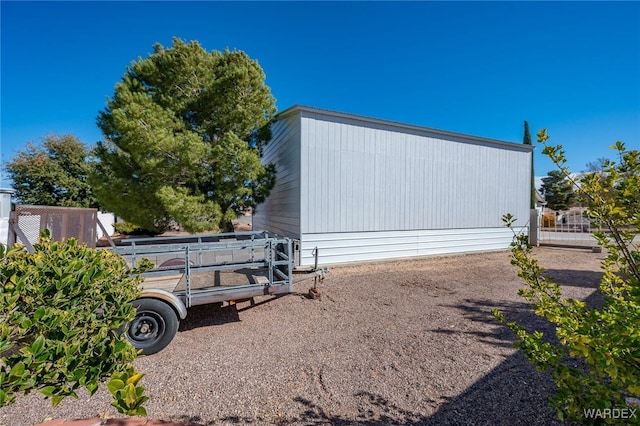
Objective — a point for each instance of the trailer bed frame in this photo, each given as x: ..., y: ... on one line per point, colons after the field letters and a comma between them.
x: 204, y: 269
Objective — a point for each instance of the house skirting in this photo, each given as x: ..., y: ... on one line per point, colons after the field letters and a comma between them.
x: 348, y: 247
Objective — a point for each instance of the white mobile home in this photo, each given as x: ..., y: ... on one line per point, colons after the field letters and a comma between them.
x: 365, y: 189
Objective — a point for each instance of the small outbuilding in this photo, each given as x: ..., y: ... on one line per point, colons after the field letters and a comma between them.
x: 362, y: 189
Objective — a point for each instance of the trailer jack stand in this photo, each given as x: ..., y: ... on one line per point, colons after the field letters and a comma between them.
x: 314, y: 293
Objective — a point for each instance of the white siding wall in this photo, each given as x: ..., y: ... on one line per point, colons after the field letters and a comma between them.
x: 359, y: 178
x: 280, y: 213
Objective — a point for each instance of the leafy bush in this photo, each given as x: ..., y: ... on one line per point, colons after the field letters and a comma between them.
x: 596, y: 360
x: 61, y: 309
x: 127, y: 397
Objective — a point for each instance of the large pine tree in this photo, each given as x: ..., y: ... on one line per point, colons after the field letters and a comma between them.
x: 182, y: 139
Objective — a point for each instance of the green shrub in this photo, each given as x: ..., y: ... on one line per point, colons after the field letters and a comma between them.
x: 61, y: 309
x: 596, y: 360
x: 127, y: 397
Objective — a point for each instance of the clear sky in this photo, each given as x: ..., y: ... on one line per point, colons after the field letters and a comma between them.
x: 480, y: 68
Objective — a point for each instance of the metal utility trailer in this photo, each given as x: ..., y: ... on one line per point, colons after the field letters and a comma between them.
x: 204, y: 269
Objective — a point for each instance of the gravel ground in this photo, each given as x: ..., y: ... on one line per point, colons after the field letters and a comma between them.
x: 404, y: 343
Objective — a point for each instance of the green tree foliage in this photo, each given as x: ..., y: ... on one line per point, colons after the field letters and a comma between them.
x: 183, y: 136
x: 61, y: 309
x: 558, y: 191
x: 526, y: 140
x: 53, y: 173
x: 595, y: 361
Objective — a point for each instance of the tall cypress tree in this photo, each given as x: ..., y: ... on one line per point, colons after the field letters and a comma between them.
x: 527, y: 141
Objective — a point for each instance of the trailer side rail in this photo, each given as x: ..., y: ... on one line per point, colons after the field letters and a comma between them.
x: 192, y: 267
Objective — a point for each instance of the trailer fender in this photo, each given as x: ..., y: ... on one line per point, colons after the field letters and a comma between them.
x: 170, y: 298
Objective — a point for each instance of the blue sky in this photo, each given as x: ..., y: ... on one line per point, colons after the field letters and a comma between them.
x: 480, y: 68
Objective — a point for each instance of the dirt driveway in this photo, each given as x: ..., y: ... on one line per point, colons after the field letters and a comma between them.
x: 405, y: 343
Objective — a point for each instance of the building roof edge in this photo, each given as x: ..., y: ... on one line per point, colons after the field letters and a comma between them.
x: 400, y: 126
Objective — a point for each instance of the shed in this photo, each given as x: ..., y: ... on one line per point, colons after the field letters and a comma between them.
x: 364, y: 189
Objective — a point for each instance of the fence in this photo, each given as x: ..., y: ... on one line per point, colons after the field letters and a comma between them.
x: 26, y: 222
x: 566, y: 228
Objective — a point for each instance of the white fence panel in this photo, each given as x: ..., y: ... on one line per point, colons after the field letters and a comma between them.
x: 567, y: 228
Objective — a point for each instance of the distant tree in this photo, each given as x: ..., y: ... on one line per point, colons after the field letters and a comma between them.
x: 596, y: 166
x: 184, y: 133
x: 526, y: 140
x: 558, y: 191
x: 53, y: 173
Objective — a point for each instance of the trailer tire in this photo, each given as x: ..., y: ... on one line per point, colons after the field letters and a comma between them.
x: 153, y: 327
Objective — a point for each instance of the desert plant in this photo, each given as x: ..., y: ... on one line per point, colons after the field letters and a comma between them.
x: 595, y: 361
x: 61, y: 311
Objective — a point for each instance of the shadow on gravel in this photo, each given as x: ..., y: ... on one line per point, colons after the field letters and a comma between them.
x: 214, y: 314
x: 513, y: 393
x: 574, y: 278
x: 388, y: 414
x: 479, y: 311
x: 206, y: 315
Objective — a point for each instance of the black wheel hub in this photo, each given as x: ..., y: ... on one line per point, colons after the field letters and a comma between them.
x: 146, y: 328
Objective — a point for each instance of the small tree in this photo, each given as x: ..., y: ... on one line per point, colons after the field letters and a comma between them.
x: 558, y: 191
x: 604, y: 339
x: 53, y: 173
x: 183, y: 137
x: 61, y: 312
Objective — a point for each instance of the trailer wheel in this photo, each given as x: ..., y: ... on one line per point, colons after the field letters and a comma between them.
x: 153, y: 327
